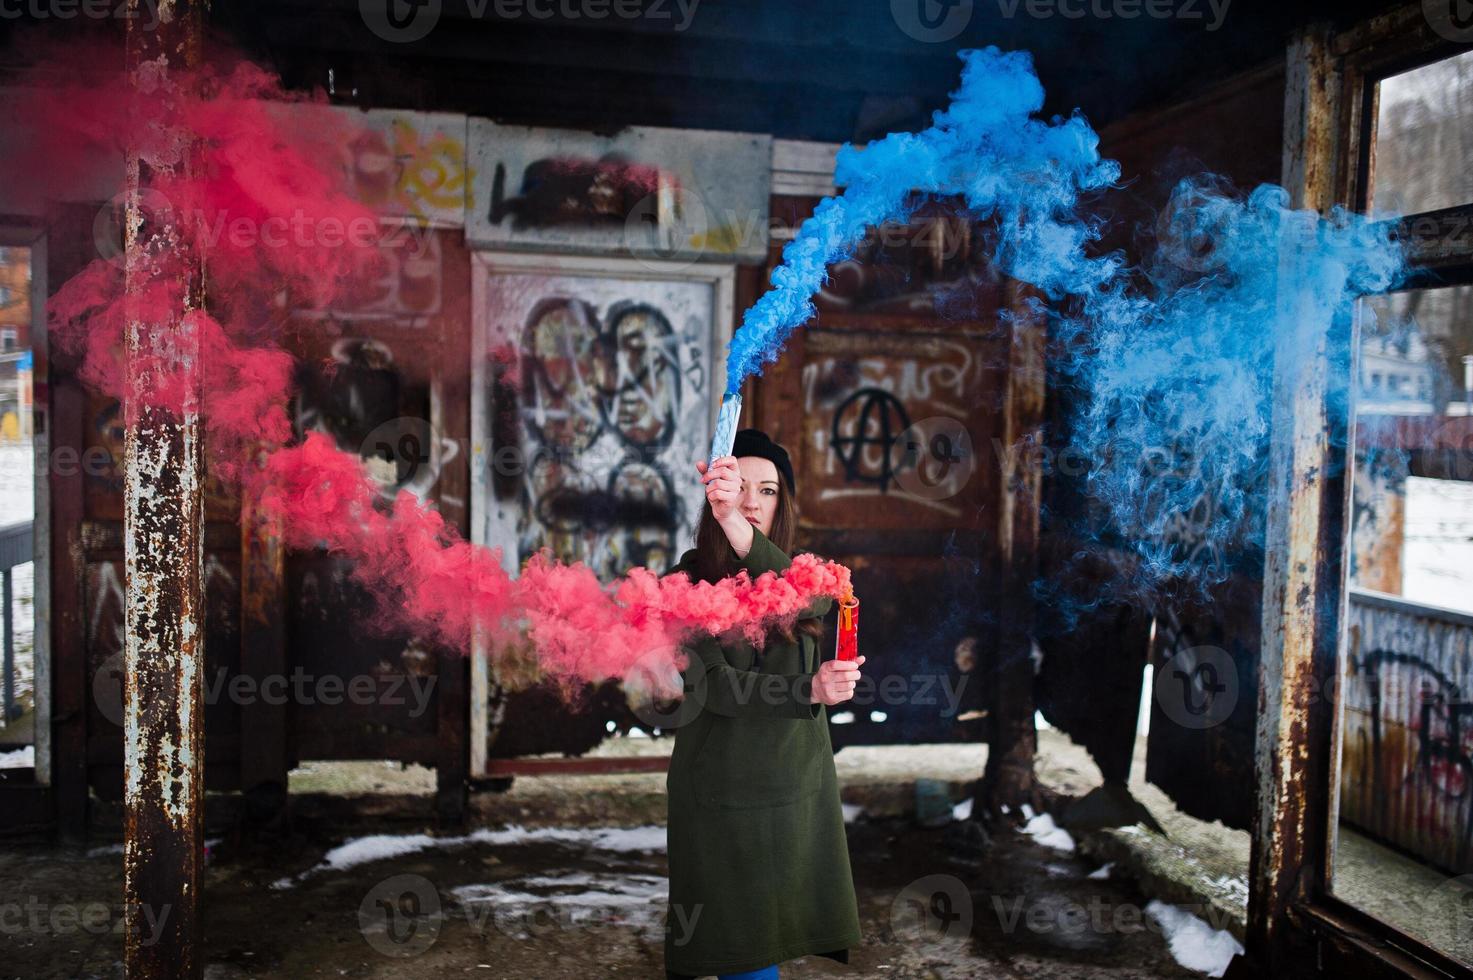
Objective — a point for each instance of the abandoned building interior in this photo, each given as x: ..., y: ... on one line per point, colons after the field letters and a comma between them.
x: 1214, y: 681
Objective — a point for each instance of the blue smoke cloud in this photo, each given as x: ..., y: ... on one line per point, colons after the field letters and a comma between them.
x: 1171, y: 361
x: 1175, y: 363
x: 987, y: 147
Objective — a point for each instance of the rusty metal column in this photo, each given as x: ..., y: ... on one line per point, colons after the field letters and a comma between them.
x: 163, y: 533
x: 1304, y: 566
x: 1009, y: 778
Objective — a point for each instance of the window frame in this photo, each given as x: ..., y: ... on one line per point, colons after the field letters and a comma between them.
x: 1440, y: 246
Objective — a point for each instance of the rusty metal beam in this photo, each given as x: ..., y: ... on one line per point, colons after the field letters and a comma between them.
x: 605, y: 766
x: 1012, y: 738
x: 263, y: 721
x: 163, y: 544
x: 1304, y: 572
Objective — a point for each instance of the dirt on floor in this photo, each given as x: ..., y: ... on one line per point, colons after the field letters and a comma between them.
x: 555, y: 888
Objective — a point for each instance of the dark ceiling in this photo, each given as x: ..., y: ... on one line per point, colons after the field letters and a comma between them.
x: 829, y: 70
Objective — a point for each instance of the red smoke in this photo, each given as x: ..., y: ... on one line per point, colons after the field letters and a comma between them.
x: 262, y: 214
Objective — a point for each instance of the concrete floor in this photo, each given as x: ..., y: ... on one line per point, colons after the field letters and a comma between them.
x: 547, y: 902
x: 1427, y: 904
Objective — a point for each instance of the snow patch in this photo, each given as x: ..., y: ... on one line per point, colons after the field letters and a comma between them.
x: 851, y: 811
x: 523, y: 904
x: 1194, y: 943
x: 963, y: 810
x: 1102, y: 873
x: 19, y: 759
x: 379, y: 847
x: 1043, y: 830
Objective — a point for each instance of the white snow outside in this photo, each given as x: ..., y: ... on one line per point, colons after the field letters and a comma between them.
x: 1437, y: 556
x: 17, y: 503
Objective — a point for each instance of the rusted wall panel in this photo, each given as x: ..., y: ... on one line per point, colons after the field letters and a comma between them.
x: 1406, y: 771
x: 882, y: 356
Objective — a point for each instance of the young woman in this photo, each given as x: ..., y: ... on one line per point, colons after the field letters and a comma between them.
x: 759, y: 863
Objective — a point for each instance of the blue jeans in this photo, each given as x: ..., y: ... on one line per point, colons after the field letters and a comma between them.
x: 766, y: 973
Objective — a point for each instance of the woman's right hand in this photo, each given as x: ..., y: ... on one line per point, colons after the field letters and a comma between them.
x: 835, y: 681
x: 723, y: 482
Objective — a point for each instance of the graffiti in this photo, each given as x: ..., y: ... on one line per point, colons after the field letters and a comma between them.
x: 1437, y: 713
x: 869, y: 419
x: 1378, y: 518
x: 858, y: 408
x: 408, y: 172
x: 608, y: 412
x: 364, y: 404
x: 559, y: 191
x: 406, y: 285
x: 1188, y: 532
x: 909, y: 268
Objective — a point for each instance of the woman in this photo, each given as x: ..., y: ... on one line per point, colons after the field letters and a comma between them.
x: 759, y: 863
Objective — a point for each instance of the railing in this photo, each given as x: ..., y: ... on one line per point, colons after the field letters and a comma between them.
x: 1406, y: 774
x: 17, y: 547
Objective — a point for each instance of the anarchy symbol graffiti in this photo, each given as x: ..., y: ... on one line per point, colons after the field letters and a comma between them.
x: 871, y: 417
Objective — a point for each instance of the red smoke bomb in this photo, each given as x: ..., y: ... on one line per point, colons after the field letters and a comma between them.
x: 848, y: 646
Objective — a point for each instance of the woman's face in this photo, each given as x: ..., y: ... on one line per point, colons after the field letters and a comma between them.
x: 759, y: 491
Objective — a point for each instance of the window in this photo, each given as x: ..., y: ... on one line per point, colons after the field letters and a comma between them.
x: 1424, y: 138
x: 1402, y: 831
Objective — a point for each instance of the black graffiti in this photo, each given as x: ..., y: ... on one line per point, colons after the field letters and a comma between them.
x: 587, y: 193
x: 589, y: 378
x: 1442, y: 715
x: 878, y: 420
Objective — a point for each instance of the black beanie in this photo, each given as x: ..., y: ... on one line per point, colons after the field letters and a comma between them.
x: 754, y: 442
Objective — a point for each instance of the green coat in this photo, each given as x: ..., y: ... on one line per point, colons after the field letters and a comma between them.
x: 759, y: 861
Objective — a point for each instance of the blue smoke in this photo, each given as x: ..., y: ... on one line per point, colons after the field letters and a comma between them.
x: 1175, y: 365
x: 1170, y: 363
x: 987, y: 147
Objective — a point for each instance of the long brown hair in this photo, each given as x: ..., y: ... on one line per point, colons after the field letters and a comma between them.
x: 716, y: 559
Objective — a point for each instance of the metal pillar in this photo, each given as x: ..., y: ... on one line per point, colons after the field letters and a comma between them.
x: 1304, y: 568
x: 163, y: 531
x: 1009, y: 777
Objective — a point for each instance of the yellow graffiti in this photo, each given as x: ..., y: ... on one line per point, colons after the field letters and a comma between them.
x: 433, y: 172
x: 724, y: 239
